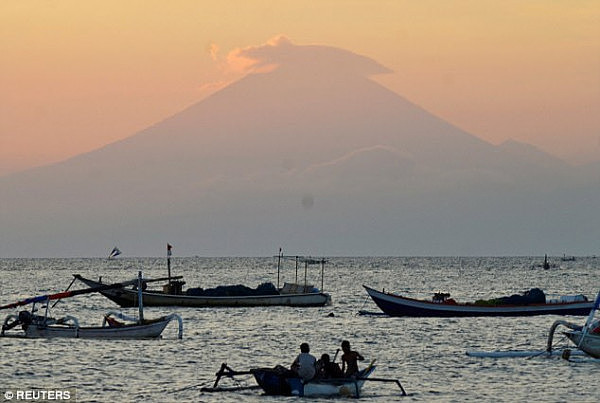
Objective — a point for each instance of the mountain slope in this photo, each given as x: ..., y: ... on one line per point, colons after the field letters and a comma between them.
x: 312, y: 154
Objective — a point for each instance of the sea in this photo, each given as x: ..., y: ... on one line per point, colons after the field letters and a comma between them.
x: 427, y: 355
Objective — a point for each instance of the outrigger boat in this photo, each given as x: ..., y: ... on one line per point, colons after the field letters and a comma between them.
x: 442, y: 305
x: 172, y: 293
x: 278, y: 382
x: 586, y: 337
x: 44, y: 326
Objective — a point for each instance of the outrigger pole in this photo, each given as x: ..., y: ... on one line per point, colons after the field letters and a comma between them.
x: 396, y: 381
x: 227, y: 371
x: 67, y: 294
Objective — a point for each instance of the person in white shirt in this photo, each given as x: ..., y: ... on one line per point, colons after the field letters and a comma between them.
x: 304, y: 364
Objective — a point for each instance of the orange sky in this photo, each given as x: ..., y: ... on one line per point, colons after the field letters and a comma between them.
x: 75, y: 75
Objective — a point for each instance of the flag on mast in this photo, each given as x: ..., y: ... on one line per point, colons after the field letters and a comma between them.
x: 114, y: 252
x: 169, y: 247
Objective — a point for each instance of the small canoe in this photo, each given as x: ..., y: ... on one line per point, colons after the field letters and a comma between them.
x: 397, y: 305
x: 275, y: 383
x: 279, y: 381
x: 39, y: 328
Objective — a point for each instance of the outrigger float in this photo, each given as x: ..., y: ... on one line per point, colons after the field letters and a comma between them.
x: 44, y: 326
x: 277, y: 382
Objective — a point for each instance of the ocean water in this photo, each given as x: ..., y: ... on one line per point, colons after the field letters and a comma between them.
x: 427, y: 355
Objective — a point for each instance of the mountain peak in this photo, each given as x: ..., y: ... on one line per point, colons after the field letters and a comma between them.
x: 311, y: 153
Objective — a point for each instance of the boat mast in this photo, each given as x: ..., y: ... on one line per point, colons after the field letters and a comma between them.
x: 278, y: 267
x: 140, y: 303
x: 169, y: 247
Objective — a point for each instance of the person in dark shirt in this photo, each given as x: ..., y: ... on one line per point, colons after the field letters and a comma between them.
x: 350, y: 359
x: 327, y: 369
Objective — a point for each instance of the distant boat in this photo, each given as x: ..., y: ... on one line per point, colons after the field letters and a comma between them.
x: 397, y: 305
x: 566, y: 258
x: 172, y: 294
x: 545, y: 265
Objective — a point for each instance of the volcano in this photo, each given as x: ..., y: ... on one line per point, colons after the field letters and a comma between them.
x: 309, y: 153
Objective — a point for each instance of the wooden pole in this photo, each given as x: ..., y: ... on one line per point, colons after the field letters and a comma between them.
x: 296, y: 270
x: 322, y: 273
x: 169, y: 263
x: 305, y: 272
x: 278, y: 267
x: 140, y: 303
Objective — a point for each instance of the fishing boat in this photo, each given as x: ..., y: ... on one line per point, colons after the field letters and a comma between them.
x: 280, y: 382
x: 115, y: 325
x: 586, y: 338
x: 274, y: 383
x: 441, y: 305
x: 566, y: 258
x: 172, y: 294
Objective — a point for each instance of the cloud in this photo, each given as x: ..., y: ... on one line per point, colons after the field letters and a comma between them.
x: 280, y: 51
x: 257, y: 58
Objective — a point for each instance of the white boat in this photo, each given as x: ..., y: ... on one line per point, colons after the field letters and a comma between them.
x: 44, y: 326
x: 587, y: 337
x: 297, y: 294
x: 41, y: 326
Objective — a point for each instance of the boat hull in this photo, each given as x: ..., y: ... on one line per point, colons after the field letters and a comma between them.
x: 146, y: 331
x: 395, y: 305
x: 278, y: 384
x: 590, y: 344
x: 128, y: 298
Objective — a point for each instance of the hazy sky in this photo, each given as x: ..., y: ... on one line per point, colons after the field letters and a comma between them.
x: 76, y: 75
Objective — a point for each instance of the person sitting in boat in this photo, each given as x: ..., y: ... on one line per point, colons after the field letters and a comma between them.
x: 304, y: 364
x: 350, y: 360
x: 327, y: 369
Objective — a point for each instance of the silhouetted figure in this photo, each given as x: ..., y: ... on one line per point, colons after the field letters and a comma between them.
x: 350, y: 359
x: 304, y: 364
x: 327, y: 369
